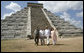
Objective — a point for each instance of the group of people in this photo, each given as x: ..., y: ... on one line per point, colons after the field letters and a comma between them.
x: 45, y: 33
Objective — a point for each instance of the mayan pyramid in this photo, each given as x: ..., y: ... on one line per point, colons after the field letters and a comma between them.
x: 23, y: 23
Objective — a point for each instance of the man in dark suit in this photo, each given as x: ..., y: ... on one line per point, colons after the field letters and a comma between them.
x: 36, y: 36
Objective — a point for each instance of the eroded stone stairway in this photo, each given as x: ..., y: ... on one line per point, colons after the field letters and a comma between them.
x: 38, y: 19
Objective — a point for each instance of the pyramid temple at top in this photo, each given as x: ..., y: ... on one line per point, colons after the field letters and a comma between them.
x: 23, y: 23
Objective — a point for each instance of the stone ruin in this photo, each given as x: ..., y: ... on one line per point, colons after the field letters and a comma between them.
x: 23, y: 23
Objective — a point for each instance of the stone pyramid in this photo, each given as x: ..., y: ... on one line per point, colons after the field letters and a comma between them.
x: 23, y: 23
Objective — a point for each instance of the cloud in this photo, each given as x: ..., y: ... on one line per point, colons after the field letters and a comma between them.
x: 76, y: 5
x: 7, y: 14
x: 61, y: 6
x: 77, y: 23
x: 80, y: 14
x: 13, y: 6
x: 67, y: 17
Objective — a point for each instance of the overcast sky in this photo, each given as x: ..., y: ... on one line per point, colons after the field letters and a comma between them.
x: 71, y: 11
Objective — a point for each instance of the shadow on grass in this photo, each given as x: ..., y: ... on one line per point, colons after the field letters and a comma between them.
x: 52, y: 44
x: 57, y: 44
x: 60, y: 44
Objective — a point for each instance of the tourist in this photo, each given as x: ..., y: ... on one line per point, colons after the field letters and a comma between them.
x: 36, y: 36
x: 47, y: 34
x: 42, y: 37
x: 53, y: 35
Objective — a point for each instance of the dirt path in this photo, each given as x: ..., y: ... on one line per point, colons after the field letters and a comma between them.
x: 63, y: 45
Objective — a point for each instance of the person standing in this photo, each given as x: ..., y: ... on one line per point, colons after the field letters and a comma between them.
x: 42, y: 37
x: 36, y: 36
x: 47, y: 34
x: 53, y: 36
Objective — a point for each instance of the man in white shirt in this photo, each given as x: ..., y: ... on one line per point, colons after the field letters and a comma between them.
x: 47, y: 34
x: 42, y: 37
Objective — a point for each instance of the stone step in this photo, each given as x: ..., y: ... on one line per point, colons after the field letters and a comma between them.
x: 13, y: 30
x: 57, y: 20
x: 21, y: 15
x: 71, y: 35
x: 17, y: 21
x: 60, y: 23
x: 8, y: 36
x: 15, y: 17
x: 13, y: 27
x: 13, y: 24
x: 69, y: 31
x: 65, y: 28
x: 9, y: 24
x: 64, y: 25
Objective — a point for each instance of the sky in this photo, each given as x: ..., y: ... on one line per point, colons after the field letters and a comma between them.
x: 71, y: 11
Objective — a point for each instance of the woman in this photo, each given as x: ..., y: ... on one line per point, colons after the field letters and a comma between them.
x: 53, y: 35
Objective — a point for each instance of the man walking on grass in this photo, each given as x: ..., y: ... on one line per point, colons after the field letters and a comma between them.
x: 36, y: 36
